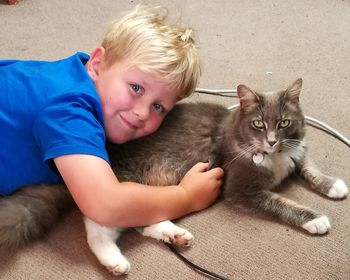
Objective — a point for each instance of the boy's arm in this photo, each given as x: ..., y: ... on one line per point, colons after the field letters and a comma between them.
x: 102, y: 198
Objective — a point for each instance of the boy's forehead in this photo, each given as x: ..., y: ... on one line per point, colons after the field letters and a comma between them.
x: 145, y: 77
x: 151, y: 78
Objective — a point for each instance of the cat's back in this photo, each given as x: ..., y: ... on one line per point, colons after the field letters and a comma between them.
x: 194, y: 115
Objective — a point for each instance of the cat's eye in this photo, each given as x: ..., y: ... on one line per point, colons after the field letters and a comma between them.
x: 258, y: 124
x: 284, y: 123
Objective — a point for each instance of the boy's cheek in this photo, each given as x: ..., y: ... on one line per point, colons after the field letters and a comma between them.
x: 153, y: 125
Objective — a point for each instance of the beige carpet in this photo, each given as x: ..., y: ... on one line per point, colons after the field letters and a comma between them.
x: 265, y: 44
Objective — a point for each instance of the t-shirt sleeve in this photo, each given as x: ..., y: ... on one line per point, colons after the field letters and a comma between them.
x: 70, y: 124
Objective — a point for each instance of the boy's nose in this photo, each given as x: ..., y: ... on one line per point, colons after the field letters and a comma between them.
x: 142, y: 112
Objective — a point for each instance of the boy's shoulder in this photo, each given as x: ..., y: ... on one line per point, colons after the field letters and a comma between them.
x: 44, y: 77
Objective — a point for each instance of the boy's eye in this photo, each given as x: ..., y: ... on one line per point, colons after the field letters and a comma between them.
x: 136, y: 88
x: 158, y: 107
x: 258, y: 124
x: 283, y: 123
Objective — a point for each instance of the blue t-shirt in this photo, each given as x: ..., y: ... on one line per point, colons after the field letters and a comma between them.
x: 47, y: 109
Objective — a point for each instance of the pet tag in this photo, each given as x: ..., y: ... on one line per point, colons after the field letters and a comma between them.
x: 258, y: 158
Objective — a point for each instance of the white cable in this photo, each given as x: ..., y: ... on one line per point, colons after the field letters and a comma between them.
x: 327, y: 128
x: 233, y: 107
x: 309, y: 120
x: 215, y: 91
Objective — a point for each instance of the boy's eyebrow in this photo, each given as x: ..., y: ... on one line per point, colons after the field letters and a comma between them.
x: 143, y: 82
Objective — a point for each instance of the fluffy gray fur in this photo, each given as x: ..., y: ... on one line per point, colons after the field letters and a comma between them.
x: 270, y: 124
x: 29, y: 213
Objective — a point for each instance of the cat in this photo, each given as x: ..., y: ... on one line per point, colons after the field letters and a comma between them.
x: 259, y: 145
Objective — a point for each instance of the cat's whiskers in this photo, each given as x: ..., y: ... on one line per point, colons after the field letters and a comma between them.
x: 289, y: 145
x: 241, y: 154
x: 291, y: 140
x: 293, y: 143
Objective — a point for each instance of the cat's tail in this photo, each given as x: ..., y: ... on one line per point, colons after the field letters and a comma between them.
x: 29, y: 213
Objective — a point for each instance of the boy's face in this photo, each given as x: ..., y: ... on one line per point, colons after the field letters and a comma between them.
x: 134, y: 103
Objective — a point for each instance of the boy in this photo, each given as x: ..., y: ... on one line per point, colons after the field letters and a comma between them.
x: 55, y: 116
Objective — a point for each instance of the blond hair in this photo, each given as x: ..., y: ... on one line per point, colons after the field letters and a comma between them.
x: 154, y: 46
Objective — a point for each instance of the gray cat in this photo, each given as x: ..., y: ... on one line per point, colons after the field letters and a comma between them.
x: 259, y: 145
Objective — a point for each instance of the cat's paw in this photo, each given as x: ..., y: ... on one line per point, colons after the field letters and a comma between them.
x: 118, y: 265
x: 170, y: 233
x: 338, y: 190
x: 320, y: 225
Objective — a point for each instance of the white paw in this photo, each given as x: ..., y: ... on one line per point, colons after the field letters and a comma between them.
x: 319, y: 225
x: 338, y: 190
x: 170, y: 233
x: 102, y: 242
x: 119, y: 265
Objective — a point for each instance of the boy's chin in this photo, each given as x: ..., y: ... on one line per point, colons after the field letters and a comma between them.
x: 120, y: 139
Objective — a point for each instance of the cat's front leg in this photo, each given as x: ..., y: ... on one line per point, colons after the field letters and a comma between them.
x: 288, y: 211
x: 168, y: 232
x: 102, y: 242
x: 329, y: 186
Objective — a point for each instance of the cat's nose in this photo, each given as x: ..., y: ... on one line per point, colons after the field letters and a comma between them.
x: 272, y: 142
x: 271, y: 138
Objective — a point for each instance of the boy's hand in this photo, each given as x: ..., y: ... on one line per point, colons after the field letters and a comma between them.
x: 202, y: 186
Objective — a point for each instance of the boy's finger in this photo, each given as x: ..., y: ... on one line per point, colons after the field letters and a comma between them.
x: 217, y: 171
x: 201, y: 166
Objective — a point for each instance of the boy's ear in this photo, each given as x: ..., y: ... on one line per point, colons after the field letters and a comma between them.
x: 95, y: 62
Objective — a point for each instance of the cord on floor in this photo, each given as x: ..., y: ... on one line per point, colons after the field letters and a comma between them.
x: 206, y: 272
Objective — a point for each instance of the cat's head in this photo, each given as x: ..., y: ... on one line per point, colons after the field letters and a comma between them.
x: 271, y: 122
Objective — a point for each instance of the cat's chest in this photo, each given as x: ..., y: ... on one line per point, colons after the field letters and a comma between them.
x: 282, y: 164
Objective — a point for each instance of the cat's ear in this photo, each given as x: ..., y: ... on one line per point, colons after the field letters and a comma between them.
x: 247, y: 98
x: 293, y: 91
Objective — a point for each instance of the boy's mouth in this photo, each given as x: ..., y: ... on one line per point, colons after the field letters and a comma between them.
x: 128, y: 123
